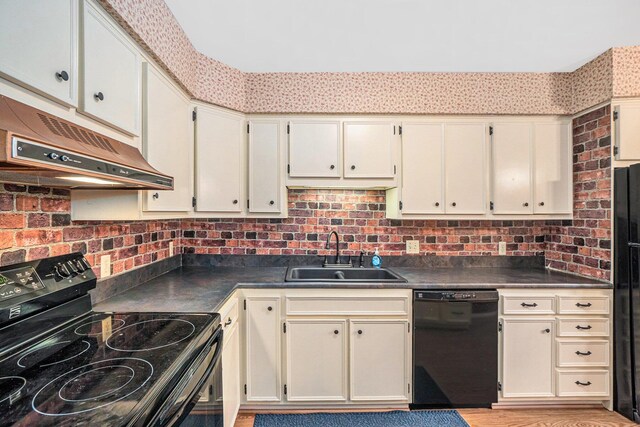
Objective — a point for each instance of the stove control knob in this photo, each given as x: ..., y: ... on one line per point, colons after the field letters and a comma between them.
x: 62, y: 271
x: 72, y: 267
x: 80, y: 265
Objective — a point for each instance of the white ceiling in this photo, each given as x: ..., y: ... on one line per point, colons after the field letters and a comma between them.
x: 407, y: 35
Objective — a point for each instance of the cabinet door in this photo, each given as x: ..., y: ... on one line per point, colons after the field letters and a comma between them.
x: 378, y: 356
x: 111, y: 73
x: 511, y: 168
x: 422, y: 168
x: 527, y: 358
x: 264, y: 166
x: 368, y: 149
x: 627, y: 130
x: 465, y: 173
x: 316, y: 360
x: 314, y: 148
x: 219, y: 161
x: 167, y: 141
x: 263, y: 349
x: 553, y: 169
x: 231, y: 376
x: 38, y: 46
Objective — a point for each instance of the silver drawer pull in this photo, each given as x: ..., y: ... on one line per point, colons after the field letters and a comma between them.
x: 583, y: 305
x: 579, y: 353
x: 588, y: 383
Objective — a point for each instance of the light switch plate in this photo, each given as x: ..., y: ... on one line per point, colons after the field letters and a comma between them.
x: 170, y: 248
x: 413, y: 246
x: 105, y: 266
x: 502, y: 248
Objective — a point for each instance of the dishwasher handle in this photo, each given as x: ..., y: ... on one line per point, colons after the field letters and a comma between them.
x: 472, y: 296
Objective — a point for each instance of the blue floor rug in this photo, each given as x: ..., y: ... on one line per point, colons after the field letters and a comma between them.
x: 446, y: 418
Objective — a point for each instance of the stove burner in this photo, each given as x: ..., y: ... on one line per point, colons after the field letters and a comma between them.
x: 76, y: 348
x: 92, y: 386
x: 176, y: 330
x: 11, y: 388
x: 94, y: 328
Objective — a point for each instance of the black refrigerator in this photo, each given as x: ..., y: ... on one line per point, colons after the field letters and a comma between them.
x: 626, y: 278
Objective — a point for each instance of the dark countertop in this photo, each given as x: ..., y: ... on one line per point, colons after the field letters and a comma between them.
x: 205, y: 289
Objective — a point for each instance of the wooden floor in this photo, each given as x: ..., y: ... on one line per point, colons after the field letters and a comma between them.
x: 520, y: 418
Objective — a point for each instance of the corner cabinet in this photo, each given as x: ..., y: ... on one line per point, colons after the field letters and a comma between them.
x: 111, y: 67
x: 167, y: 141
x: 220, y: 165
x: 48, y: 31
x: 555, y: 347
x: 337, y: 347
x: 626, y: 128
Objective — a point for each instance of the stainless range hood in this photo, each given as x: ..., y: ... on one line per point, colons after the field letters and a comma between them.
x: 40, y: 149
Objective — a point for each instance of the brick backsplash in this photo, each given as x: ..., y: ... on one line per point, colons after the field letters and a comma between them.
x: 359, y: 217
x: 35, y: 222
x: 583, y: 245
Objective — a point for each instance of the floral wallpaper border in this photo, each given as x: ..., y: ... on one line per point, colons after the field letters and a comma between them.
x: 150, y: 22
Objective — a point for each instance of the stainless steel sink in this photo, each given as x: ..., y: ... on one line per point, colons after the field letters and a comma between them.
x: 351, y: 275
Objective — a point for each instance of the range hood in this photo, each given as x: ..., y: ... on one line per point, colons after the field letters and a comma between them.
x: 40, y: 149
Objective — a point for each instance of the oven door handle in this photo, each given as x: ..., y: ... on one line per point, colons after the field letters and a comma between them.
x: 193, y: 397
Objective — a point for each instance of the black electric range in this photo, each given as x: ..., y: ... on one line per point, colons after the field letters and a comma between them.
x: 63, y: 364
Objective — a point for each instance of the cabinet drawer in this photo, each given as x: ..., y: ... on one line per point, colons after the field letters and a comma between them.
x: 583, y: 353
x: 584, y: 327
x: 583, y: 305
x: 528, y: 304
x: 583, y: 383
x: 296, y: 306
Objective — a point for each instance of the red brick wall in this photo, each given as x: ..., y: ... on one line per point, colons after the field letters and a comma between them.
x: 35, y: 222
x: 583, y: 246
x: 359, y: 218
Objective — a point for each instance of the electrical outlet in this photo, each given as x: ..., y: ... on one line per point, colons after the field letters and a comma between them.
x: 502, y: 248
x: 105, y: 266
x: 413, y: 247
x: 170, y: 248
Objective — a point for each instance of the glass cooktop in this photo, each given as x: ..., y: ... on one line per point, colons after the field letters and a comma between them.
x: 95, y: 371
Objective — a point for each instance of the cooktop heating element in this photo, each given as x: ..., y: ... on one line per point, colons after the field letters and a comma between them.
x: 64, y: 365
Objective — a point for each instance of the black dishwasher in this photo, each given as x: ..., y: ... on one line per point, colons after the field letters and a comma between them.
x: 455, y: 348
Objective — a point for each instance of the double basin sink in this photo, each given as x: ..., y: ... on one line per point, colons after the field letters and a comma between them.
x: 342, y: 275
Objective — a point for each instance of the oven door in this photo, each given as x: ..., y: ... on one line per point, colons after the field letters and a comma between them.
x: 204, y: 371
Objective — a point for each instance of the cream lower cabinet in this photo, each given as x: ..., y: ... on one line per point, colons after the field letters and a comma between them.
x: 339, y: 347
x: 555, y: 346
x: 378, y: 360
x: 316, y: 360
x: 263, y: 343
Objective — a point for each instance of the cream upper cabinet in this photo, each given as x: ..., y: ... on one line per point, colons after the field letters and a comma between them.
x: 263, y: 349
x: 379, y: 360
x: 465, y: 168
x: 316, y: 360
x: 552, y: 169
x: 527, y: 357
x: 314, y: 149
x: 626, y: 128
x: 111, y: 69
x: 264, y: 166
x: 511, y: 168
x: 423, y: 168
x: 38, y: 46
x: 220, y: 157
x: 167, y: 140
x: 369, y: 149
